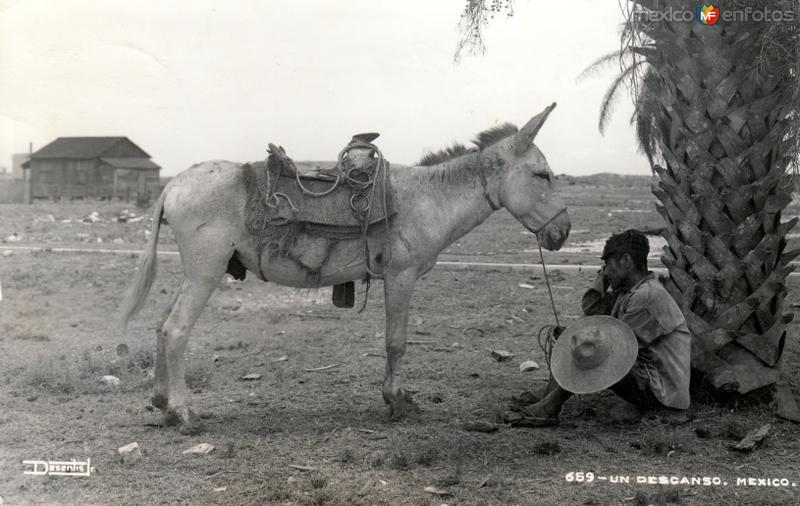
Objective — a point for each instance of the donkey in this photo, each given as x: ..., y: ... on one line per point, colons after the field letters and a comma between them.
x: 434, y: 206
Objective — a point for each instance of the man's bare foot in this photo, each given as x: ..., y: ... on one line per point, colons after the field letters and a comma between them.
x: 625, y: 412
x: 526, y: 398
x: 532, y: 416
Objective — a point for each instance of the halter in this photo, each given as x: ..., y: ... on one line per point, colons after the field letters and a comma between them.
x: 562, y: 211
x: 485, y: 184
x: 495, y: 207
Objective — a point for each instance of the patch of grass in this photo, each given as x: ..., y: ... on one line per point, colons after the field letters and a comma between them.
x: 80, y: 373
x: 662, y: 498
x: 318, y: 481
x: 346, y: 456
x: 547, y: 448
x: 229, y: 452
x: 318, y: 497
x: 375, y: 460
x: 655, y: 445
x: 426, y: 456
x: 276, y: 318
x: 275, y: 490
x: 24, y: 328
x: 51, y: 377
x: 198, y: 376
x: 733, y: 430
x: 141, y: 359
x: 399, y: 460
x: 448, y: 480
x: 457, y: 457
x: 88, y: 366
x: 19, y: 279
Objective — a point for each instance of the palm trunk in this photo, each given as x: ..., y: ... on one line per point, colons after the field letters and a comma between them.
x: 721, y: 132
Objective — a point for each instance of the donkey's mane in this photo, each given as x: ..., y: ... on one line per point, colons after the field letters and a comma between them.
x: 436, y: 157
x: 481, y: 141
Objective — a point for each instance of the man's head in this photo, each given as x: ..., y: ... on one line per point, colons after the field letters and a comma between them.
x: 625, y: 257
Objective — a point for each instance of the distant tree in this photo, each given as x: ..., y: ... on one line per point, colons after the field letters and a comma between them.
x: 717, y: 113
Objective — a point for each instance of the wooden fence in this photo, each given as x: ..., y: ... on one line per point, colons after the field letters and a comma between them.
x: 12, y: 191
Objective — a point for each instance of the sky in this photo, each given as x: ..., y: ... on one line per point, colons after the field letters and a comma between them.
x: 196, y: 80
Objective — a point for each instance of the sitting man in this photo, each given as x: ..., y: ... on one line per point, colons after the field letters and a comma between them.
x: 626, y: 290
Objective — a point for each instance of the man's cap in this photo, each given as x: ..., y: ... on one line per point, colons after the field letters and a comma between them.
x: 593, y: 353
x: 630, y: 241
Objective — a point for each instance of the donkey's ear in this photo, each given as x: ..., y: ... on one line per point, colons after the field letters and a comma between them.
x: 525, y: 137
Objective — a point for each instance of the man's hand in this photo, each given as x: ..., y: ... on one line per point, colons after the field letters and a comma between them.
x: 604, y: 277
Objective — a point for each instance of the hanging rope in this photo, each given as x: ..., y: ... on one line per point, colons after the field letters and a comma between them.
x: 362, y: 181
x: 547, y: 280
x: 547, y: 339
x: 547, y: 334
x: 381, y: 168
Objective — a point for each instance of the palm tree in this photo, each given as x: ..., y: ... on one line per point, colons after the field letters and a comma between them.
x: 717, y: 113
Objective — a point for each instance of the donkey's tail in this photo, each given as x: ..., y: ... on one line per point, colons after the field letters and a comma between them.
x: 146, y: 273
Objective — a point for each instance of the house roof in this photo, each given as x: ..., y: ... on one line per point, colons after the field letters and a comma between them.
x: 81, y: 147
x: 130, y: 163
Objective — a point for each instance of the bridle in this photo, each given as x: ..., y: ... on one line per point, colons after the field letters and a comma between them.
x: 562, y: 211
x: 485, y: 183
x: 496, y: 206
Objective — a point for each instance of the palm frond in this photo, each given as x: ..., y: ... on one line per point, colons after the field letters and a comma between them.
x: 605, y: 61
x: 610, y: 97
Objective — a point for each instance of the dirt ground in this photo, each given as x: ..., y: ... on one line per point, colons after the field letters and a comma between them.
x: 57, y: 342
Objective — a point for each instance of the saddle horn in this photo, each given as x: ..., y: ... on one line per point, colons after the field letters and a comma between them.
x: 366, y: 137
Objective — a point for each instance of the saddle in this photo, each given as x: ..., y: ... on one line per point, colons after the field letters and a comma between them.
x: 328, y: 202
x: 351, y: 194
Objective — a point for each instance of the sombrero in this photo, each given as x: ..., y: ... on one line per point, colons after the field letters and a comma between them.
x: 592, y: 354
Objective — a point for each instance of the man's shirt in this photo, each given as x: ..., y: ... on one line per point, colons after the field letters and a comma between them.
x: 665, y: 344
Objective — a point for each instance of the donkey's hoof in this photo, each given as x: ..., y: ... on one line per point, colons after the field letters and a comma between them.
x: 171, y: 419
x: 159, y: 401
x: 192, y: 427
x: 187, y: 421
x: 402, y: 406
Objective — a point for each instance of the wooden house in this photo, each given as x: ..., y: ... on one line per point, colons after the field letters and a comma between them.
x: 92, y: 167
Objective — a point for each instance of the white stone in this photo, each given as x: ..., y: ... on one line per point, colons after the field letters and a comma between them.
x: 110, y: 380
x: 130, y: 452
x: 129, y: 448
x: 200, y: 449
x: 528, y: 365
x: 436, y: 491
x: 502, y: 355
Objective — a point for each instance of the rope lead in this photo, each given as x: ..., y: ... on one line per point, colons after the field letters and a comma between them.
x: 547, y: 280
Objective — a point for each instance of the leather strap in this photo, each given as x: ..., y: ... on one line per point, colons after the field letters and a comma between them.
x: 485, y: 183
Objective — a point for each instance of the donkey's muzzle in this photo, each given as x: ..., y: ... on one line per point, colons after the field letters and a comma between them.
x: 553, y: 235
